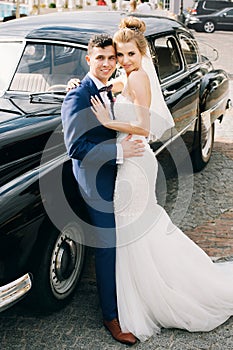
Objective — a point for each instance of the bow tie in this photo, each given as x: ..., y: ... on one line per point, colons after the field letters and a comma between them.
x: 109, y: 91
x: 109, y: 94
x: 106, y: 88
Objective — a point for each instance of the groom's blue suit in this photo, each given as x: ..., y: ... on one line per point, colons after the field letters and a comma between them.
x: 92, y: 148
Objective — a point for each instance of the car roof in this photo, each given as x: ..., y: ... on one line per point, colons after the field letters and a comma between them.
x: 78, y: 26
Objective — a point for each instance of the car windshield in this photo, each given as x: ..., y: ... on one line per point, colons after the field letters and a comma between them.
x: 9, y: 58
x: 48, y: 67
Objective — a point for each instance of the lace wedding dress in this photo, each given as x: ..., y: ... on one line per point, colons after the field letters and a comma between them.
x: 163, y: 278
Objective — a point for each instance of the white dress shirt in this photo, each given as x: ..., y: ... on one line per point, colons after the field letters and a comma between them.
x: 106, y: 100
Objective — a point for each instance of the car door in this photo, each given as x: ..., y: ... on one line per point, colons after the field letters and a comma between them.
x: 179, y: 90
x: 189, y: 51
x: 225, y: 21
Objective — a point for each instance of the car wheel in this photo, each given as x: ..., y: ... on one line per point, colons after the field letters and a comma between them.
x: 59, y: 270
x: 203, y: 147
x: 209, y: 27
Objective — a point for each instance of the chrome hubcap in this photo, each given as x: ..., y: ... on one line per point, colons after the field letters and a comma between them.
x: 65, y: 259
x: 206, y: 142
x: 209, y: 27
x: 66, y: 262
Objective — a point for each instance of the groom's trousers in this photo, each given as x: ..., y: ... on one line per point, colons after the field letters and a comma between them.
x: 100, y: 233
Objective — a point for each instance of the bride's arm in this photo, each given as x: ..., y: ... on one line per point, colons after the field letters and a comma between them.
x: 118, y: 83
x: 139, y: 89
x: 102, y: 114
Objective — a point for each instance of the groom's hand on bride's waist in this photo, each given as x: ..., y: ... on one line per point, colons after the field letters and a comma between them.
x: 134, y: 148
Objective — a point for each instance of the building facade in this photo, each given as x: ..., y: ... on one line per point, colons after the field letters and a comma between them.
x: 175, y: 5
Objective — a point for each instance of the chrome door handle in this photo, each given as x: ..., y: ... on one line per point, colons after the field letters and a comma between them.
x: 168, y: 92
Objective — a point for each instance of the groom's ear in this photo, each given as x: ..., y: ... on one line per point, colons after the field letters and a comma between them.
x: 88, y: 59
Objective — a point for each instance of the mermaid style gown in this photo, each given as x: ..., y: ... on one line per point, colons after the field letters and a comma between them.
x: 163, y: 278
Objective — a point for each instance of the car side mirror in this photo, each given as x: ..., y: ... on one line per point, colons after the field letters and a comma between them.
x: 224, y: 14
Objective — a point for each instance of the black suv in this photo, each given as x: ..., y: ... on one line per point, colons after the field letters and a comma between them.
x: 205, y: 7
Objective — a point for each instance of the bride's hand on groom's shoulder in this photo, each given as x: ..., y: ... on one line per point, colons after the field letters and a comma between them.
x: 72, y: 84
x: 135, y: 148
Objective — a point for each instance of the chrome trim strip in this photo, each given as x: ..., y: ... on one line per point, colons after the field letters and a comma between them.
x: 206, y: 115
x: 13, y: 291
x: 215, y: 106
x: 162, y: 147
x: 174, y: 138
x: 25, y: 159
x: 55, y: 42
x: 176, y: 77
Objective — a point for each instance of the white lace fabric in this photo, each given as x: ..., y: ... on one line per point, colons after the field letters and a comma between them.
x: 163, y: 278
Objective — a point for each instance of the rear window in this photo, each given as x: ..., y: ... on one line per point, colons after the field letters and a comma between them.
x: 201, y: 6
x: 168, y: 58
x: 215, y: 5
x: 189, y: 49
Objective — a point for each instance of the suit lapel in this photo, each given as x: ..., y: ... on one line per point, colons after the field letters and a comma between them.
x: 91, y: 87
x: 94, y: 91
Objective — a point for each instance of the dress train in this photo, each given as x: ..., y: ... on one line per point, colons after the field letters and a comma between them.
x: 163, y: 278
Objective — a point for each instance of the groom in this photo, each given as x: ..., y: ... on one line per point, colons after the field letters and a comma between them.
x: 94, y: 154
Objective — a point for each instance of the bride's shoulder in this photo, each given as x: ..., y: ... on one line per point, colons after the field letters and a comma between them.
x: 138, y: 77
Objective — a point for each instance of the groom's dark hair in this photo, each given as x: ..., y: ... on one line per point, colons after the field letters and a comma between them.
x: 100, y: 40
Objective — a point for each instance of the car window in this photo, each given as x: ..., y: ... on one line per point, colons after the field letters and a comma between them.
x: 230, y: 13
x: 189, y: 49
x: 214, y: 5
x: 33, y: 53
x: 45, y: 65
x: 168, y: 58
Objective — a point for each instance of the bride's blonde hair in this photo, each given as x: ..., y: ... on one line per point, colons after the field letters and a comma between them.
x: 132, y: 28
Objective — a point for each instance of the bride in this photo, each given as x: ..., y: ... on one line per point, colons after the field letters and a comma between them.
x: 163, y: 278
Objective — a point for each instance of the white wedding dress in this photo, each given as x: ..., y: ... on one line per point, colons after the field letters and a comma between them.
x: 163, y: 278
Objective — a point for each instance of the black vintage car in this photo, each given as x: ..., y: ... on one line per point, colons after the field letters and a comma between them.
x: 38, y: 57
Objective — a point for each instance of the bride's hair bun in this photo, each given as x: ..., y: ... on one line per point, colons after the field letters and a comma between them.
x: 132, y: 29
x: 133, y: 23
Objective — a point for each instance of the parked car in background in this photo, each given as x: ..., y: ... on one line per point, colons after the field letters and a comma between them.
x: 205, y: 7
x: 13, y: 16
x: 8, y: 10
x: 221, y: 20
x: 41, y: 248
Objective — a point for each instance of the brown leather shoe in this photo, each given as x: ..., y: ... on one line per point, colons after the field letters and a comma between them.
x: 114, y: 328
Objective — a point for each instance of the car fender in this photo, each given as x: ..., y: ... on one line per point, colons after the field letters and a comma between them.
x: 207, y: 19
x: 21, y: 215
x: 214, y: 95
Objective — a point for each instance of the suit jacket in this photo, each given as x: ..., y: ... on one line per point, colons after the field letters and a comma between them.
x: 92, y: 148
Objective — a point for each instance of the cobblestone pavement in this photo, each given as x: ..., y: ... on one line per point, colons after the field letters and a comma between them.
x: 212, y: 216
x: 208, y: 221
